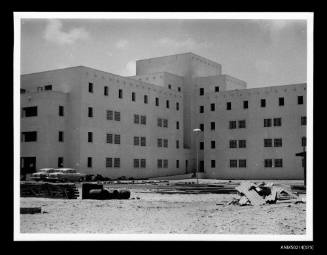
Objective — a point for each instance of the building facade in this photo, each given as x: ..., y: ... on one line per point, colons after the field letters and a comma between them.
x: 142, y: 126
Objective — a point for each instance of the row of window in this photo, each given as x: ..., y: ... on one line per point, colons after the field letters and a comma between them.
x: 31, y: 111
x: 241, y: 163
x: 201, y: 90
x: 39, y: 89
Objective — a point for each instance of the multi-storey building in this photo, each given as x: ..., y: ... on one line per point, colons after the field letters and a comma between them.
x: 142, y: 126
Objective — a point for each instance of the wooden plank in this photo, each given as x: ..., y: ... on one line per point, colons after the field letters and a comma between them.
x: 30, y: 210
x: 251, y: 194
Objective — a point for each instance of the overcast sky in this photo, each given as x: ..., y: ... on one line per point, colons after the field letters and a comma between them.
x: 260, y: 52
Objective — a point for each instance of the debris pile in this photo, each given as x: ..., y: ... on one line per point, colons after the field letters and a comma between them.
x: 260, y: 194
x: 96, y: 191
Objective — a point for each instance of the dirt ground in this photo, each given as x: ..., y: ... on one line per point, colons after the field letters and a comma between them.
x: 149, y: 212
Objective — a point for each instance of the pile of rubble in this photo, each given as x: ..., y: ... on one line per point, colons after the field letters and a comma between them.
x: 262, y: 193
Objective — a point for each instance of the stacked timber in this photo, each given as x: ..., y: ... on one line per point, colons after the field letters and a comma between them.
x: 49, y: 190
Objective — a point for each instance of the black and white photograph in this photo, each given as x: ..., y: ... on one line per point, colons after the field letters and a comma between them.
x: 163, y: 126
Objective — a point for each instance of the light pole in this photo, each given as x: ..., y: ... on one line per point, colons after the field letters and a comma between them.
x: 196, y: 132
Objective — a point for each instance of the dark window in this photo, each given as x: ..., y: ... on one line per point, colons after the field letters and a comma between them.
x: 263, y: 102
x: 267, y: 142
x: 268, y: 162
x: 177, y: 163
x: 177, y: 144
x: 303, y: 120
x: 212, y: 107
x: 216, y: 88
x: 109, y: 138
x: 143, y: 119
x: 165, y: 123
x: 278, y: 142
x: 242, y: 163
x: 245, y: 104
x: 136, y: 163
x: 159, y: 163
x: 201, y: 145
x: 165, y: 163
x: 304, y: 141
x: 133, y: 96
x: 159, y: 142
x: 278, y: 162
x: 228, y: 105
x: 232, y: 124
x: 109, y: 115
x: 90, y: 87
x: 90, y: 112
x: 89, y: 162
x: 241, y: 143
x: 177, y: 124
x: 233, y: 163
x: 136, y: 140
x: 241, y: 124
x: 177, y: 106
x: 61, y: 136
x: 157, y: 101
x: 117, y: 139
x: 61, y: 110
x: 201, y: 91
x: 136, y: 118
x: 60, y: 162
x: 22, y: 91
x: 48, y: 87
x: 300, y: 99
x: 169, y: 86
x: 120, y: 93
x: 29, y: 111
x: 143, y: 163
x: 106, y: 91
x: 116, y: 162
x: 202, y: 127
x: 232, y: 143
x: 143, y: 141
x: 213, y: 144
x: 201, y: 108
x: 213, y: 125
x: 281, y: 101
x: 159, y: 122
x: 277, y: 122
x: 267, y: 122
x: 145, y: 99
x: 117, y: 116
x: 30, y: 136
x: 213, y: 163
x: 108, y: 162
x: 167, y: 104
x: 90, y: 137
x: 165, y: 143
x: 179, y: 89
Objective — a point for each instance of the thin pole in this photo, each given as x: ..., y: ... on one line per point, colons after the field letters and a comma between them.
x: 197, y: 161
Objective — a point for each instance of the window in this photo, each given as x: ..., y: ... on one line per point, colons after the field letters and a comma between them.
x: 136, y: 118
x: 159, y: 122
x: 232, y: 124
x: 61, y: 110
x: 143, y: 163
x: 39, y: 89
x: 303, y: 120
x: 136, y: 140
x: 277, y: 122
x: 109, y: 138
x: 143, y: 119
x: 105, y: 92
x: 216, y: 88
x: 267, y: 142
x: 228, y: 105
x: 177, y: 163
x: 213, y: 163
x: 179, y: 89
x: 267, y: 122
x: 90, y: 137
x: 159, y: 163
x: 143, y: 141
x: 165, y: 144
x: 300, y: 100
x: 116, y: 162
x: 169, y: 86
x: 212, y: 107
x: 202, y: 127
x: 281, y: 101
x: 22, y: 91
x: 278, y: 142
x: 245, y: 104
x: 232, y: 143
x: 233, y: 163
x: 242, y: 143
x: 117, y: 139
x: 241, y: 124
x: 268, y: 162
x: 201, y: 91
x: 242, y: 163
x: 29, y: 111
x: 159, y: 142
x: 157, y: 101
x: 212, y: 125
x: 165, y: 123
x: 278, y: 162
x: 167, y: 104
x: 90, y: 112
x: 109, y: 115
x: 177, y: 144
x: 90, y: 87
x: 30, y: 136
x: 177, y: 106
x: 136, y: 163
x: 177, y: 124
x: 304, y: 141
x: 89, y: 162
x: 117, y: 116
x: 108, y: 162
x: 133, y: 96
x: 201, y: 108
x: 60, y: 162
x: 213, y: 144
x: 165, y: 163
x: 263, y: 103
x: 48, y: 87
x: 120, y: 93
x: 61, y: 136
x: 201, y: 145
x: 145, y: 99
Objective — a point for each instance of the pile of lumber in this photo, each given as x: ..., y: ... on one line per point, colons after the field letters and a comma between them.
x: 96, y: 191
x: 49, y: 190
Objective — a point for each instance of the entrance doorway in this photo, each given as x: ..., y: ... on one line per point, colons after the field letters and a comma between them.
x: 27, y: 165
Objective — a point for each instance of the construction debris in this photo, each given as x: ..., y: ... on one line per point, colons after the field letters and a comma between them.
x: 96, y: 191
x: 30, y: 210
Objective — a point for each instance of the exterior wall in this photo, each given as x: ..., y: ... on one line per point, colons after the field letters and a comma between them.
x: 291, y: 131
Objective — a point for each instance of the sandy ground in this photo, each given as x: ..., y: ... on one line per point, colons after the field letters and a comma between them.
x: 162, y: 214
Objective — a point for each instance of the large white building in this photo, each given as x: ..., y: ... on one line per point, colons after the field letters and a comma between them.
x: 142, y: 126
